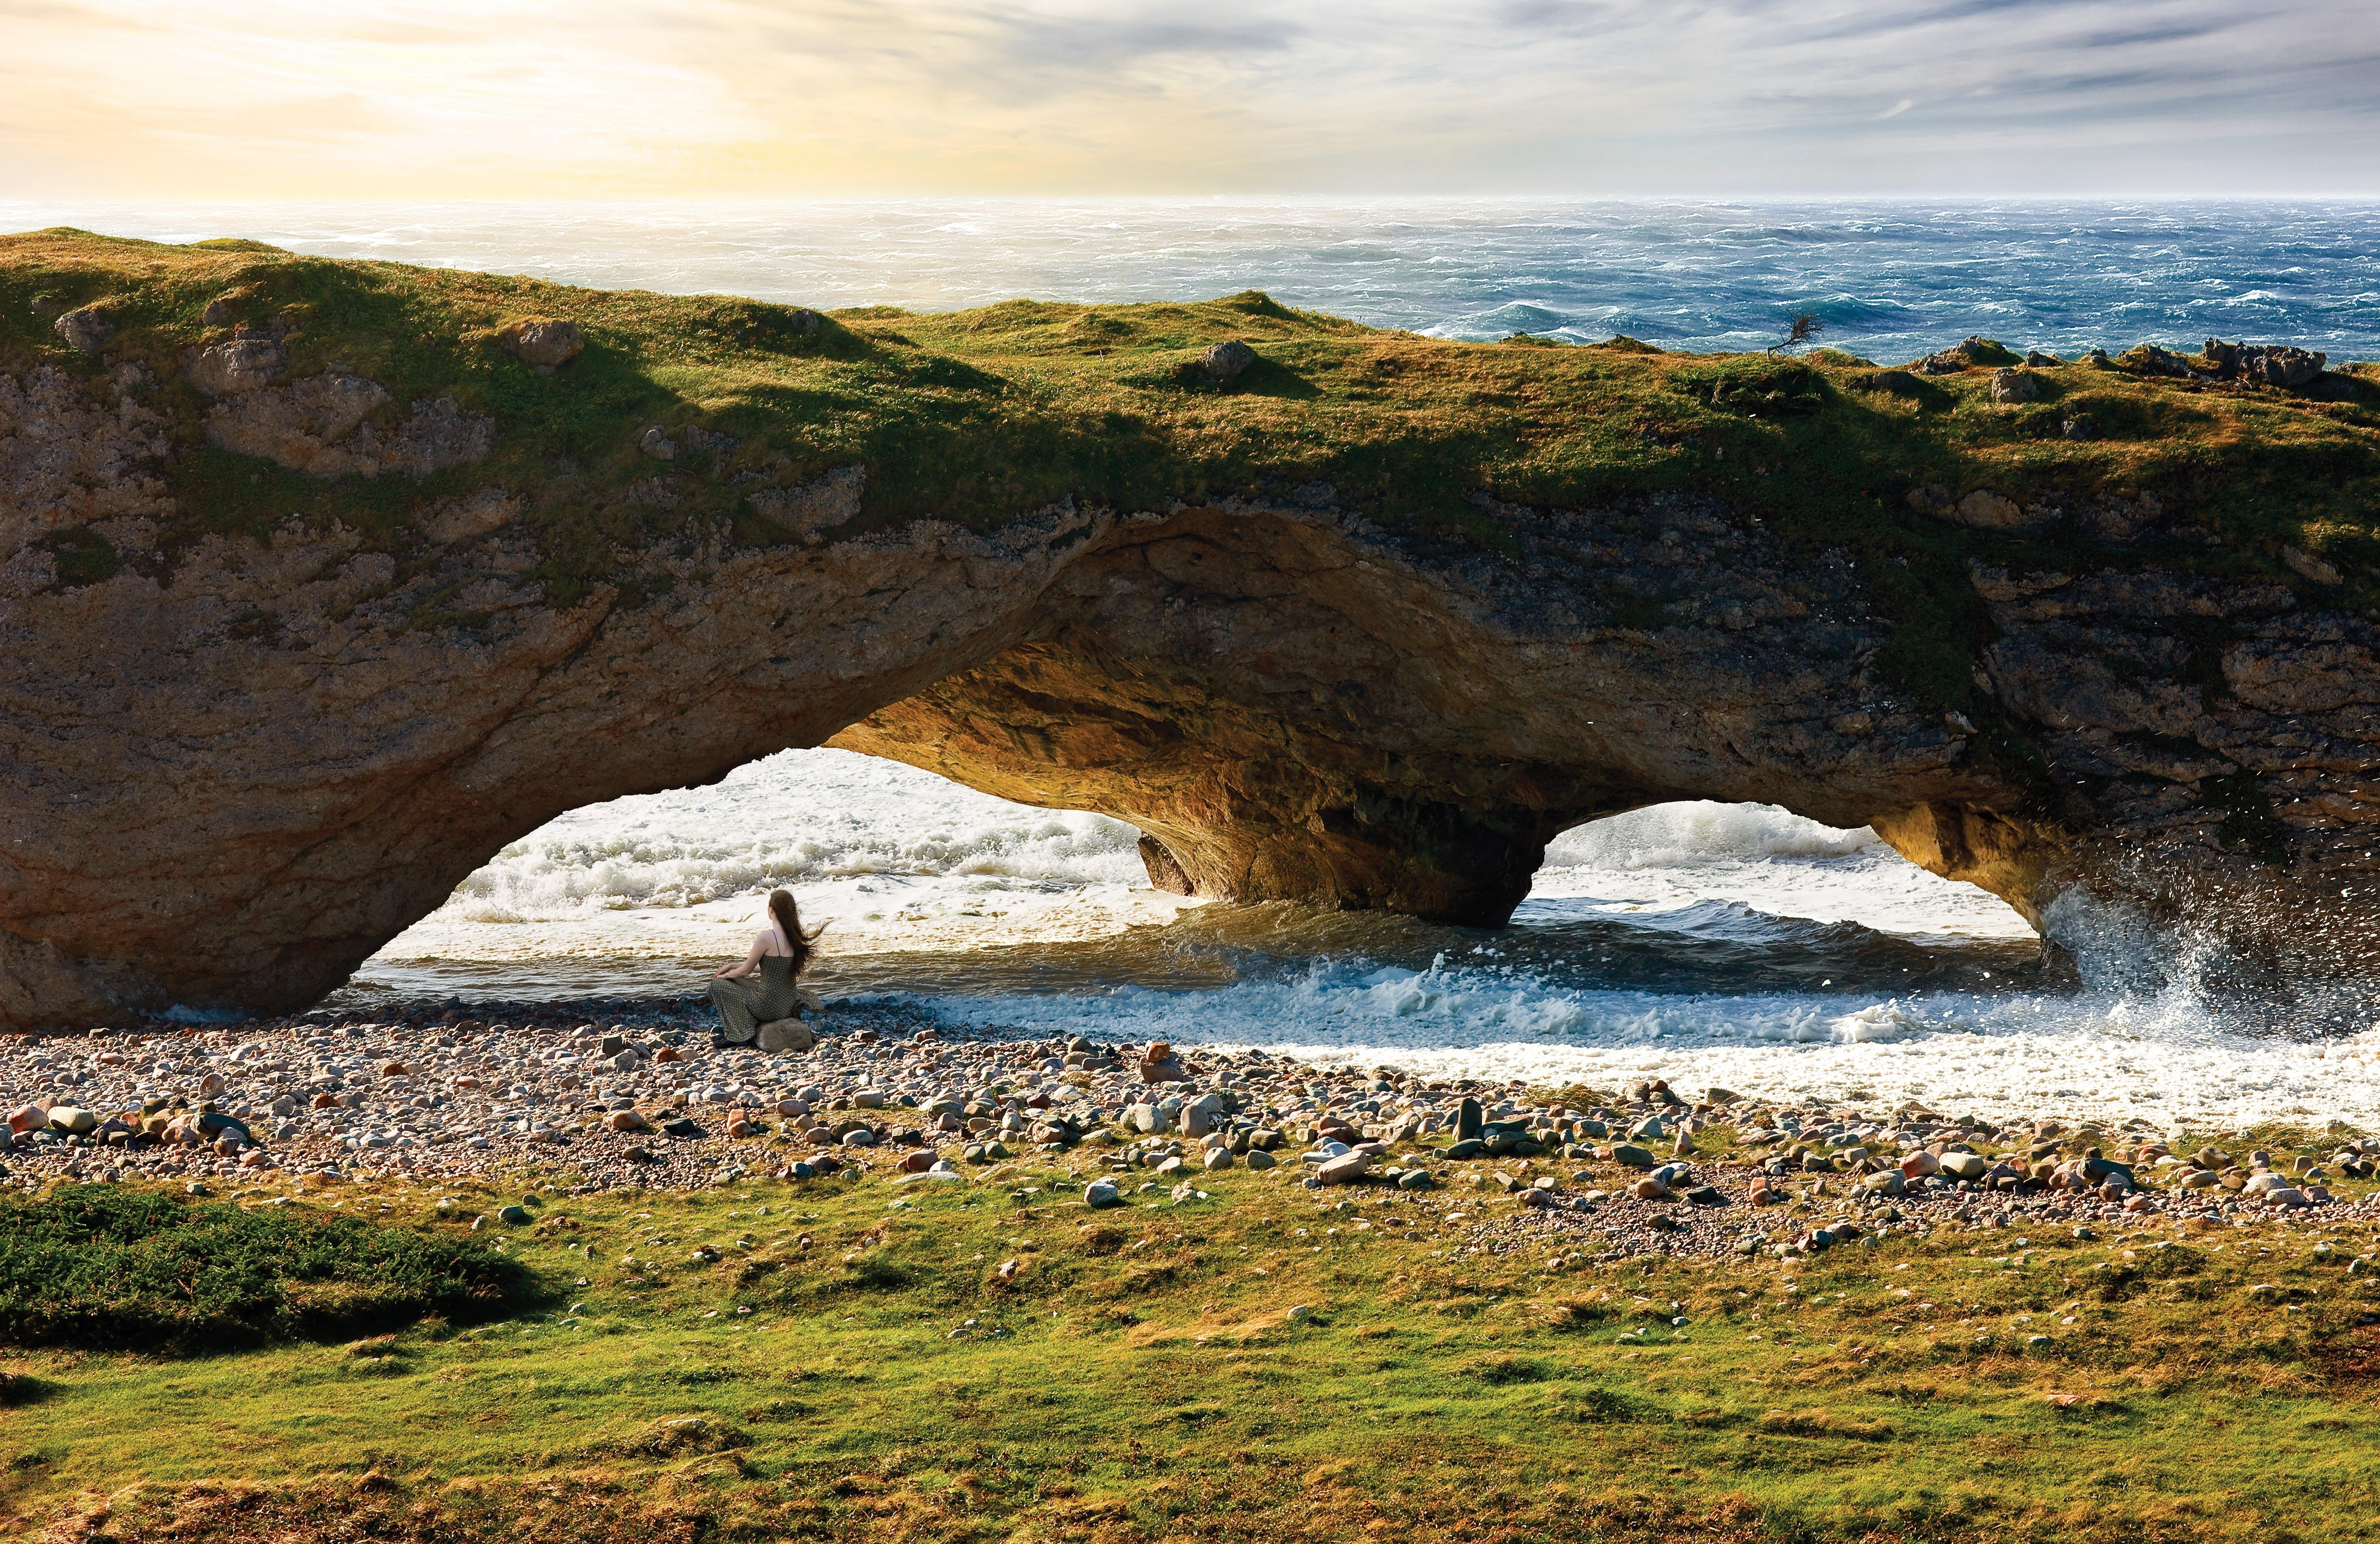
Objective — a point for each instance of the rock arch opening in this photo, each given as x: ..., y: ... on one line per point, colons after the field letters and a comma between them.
x: 928, y: 885
x: 1767, y: 860
x: 642, y: 895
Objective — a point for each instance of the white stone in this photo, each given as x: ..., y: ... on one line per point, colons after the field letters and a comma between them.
x: 1346, y: 1170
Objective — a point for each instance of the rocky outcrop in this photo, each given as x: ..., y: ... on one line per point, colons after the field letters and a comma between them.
x: 320, y: 423
x: 317, y: 425
x: 2015, y: 385
x: 1964, y: 356
x: 235, y: 365
x: 1982, y: 509
x: 2274, y: 364
x: 84, y: 328
x: 806, y: 510
x: 247, y: 736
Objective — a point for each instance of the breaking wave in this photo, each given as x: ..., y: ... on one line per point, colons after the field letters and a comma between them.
x: 1700, y: 830
x: 798, y: 818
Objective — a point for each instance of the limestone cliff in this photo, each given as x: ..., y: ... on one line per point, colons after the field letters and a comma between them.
x: 317, y: 588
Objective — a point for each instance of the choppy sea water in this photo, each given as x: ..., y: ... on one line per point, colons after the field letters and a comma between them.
x: 1730, y: 944
x: 1709, y: 943
x: 1891, y: 279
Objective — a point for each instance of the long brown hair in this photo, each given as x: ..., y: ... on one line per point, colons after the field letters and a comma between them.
x: 789, y: 922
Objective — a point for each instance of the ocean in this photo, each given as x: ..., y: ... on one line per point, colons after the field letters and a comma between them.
x: 1737, y: 945
x: 1891, y: 279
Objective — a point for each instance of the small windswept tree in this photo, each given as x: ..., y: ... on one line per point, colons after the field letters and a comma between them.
x: 1805, y: 330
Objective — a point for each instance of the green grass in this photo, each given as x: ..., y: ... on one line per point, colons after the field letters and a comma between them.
x: 979, y: 416
x: 127, y: 1270
x: 1148, y: 1379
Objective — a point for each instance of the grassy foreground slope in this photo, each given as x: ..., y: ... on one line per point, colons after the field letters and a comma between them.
x: 978, y: 416
x: 1264, y: 1364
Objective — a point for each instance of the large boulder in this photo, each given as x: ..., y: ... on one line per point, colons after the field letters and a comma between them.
x: 542, y: 341
x: 235, y: 365
x: 1964, y: 1165
x: 1228, y: 361
x: 1346, y: 1169
x: 84, y: 328
x: 2015, y: 385
x: 784, y: 1035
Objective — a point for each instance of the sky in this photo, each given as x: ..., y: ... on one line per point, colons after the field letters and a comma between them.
x: 640, y: 99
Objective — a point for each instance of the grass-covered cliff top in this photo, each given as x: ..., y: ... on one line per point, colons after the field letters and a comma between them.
x: 978, y: 416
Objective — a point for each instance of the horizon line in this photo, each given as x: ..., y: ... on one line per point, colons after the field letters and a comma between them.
x: 653, y: 201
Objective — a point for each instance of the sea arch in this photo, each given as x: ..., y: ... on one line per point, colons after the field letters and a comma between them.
x: 1291, y: 703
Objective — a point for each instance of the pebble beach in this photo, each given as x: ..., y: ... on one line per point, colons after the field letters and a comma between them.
x: 639, y: 1098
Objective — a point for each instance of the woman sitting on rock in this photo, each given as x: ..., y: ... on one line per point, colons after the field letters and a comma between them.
x: 767, y: 1011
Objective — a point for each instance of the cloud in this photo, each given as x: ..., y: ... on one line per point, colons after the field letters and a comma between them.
x: 637, y: 97
x: 1084, y: 44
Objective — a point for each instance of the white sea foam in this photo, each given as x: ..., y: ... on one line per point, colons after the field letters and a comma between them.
x: 1772, y: 862
x: 1999, y: 1056
x: 800, y: 816
x: 1699, y: 831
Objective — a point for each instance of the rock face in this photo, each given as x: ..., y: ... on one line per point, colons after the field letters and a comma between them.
x: 1358, y: 754
x: 317, y: 425
x: 1291, y: 703
x: 243, y: 752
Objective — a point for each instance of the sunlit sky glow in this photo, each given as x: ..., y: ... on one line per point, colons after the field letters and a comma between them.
x: 240, y: 98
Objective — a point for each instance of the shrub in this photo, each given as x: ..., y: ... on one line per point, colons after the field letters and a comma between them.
x: 1756, y: 385
x: 1804, y: 330
x: 117, y: 1269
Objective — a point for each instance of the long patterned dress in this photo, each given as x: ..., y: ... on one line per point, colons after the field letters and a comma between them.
x: 765, y: 996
